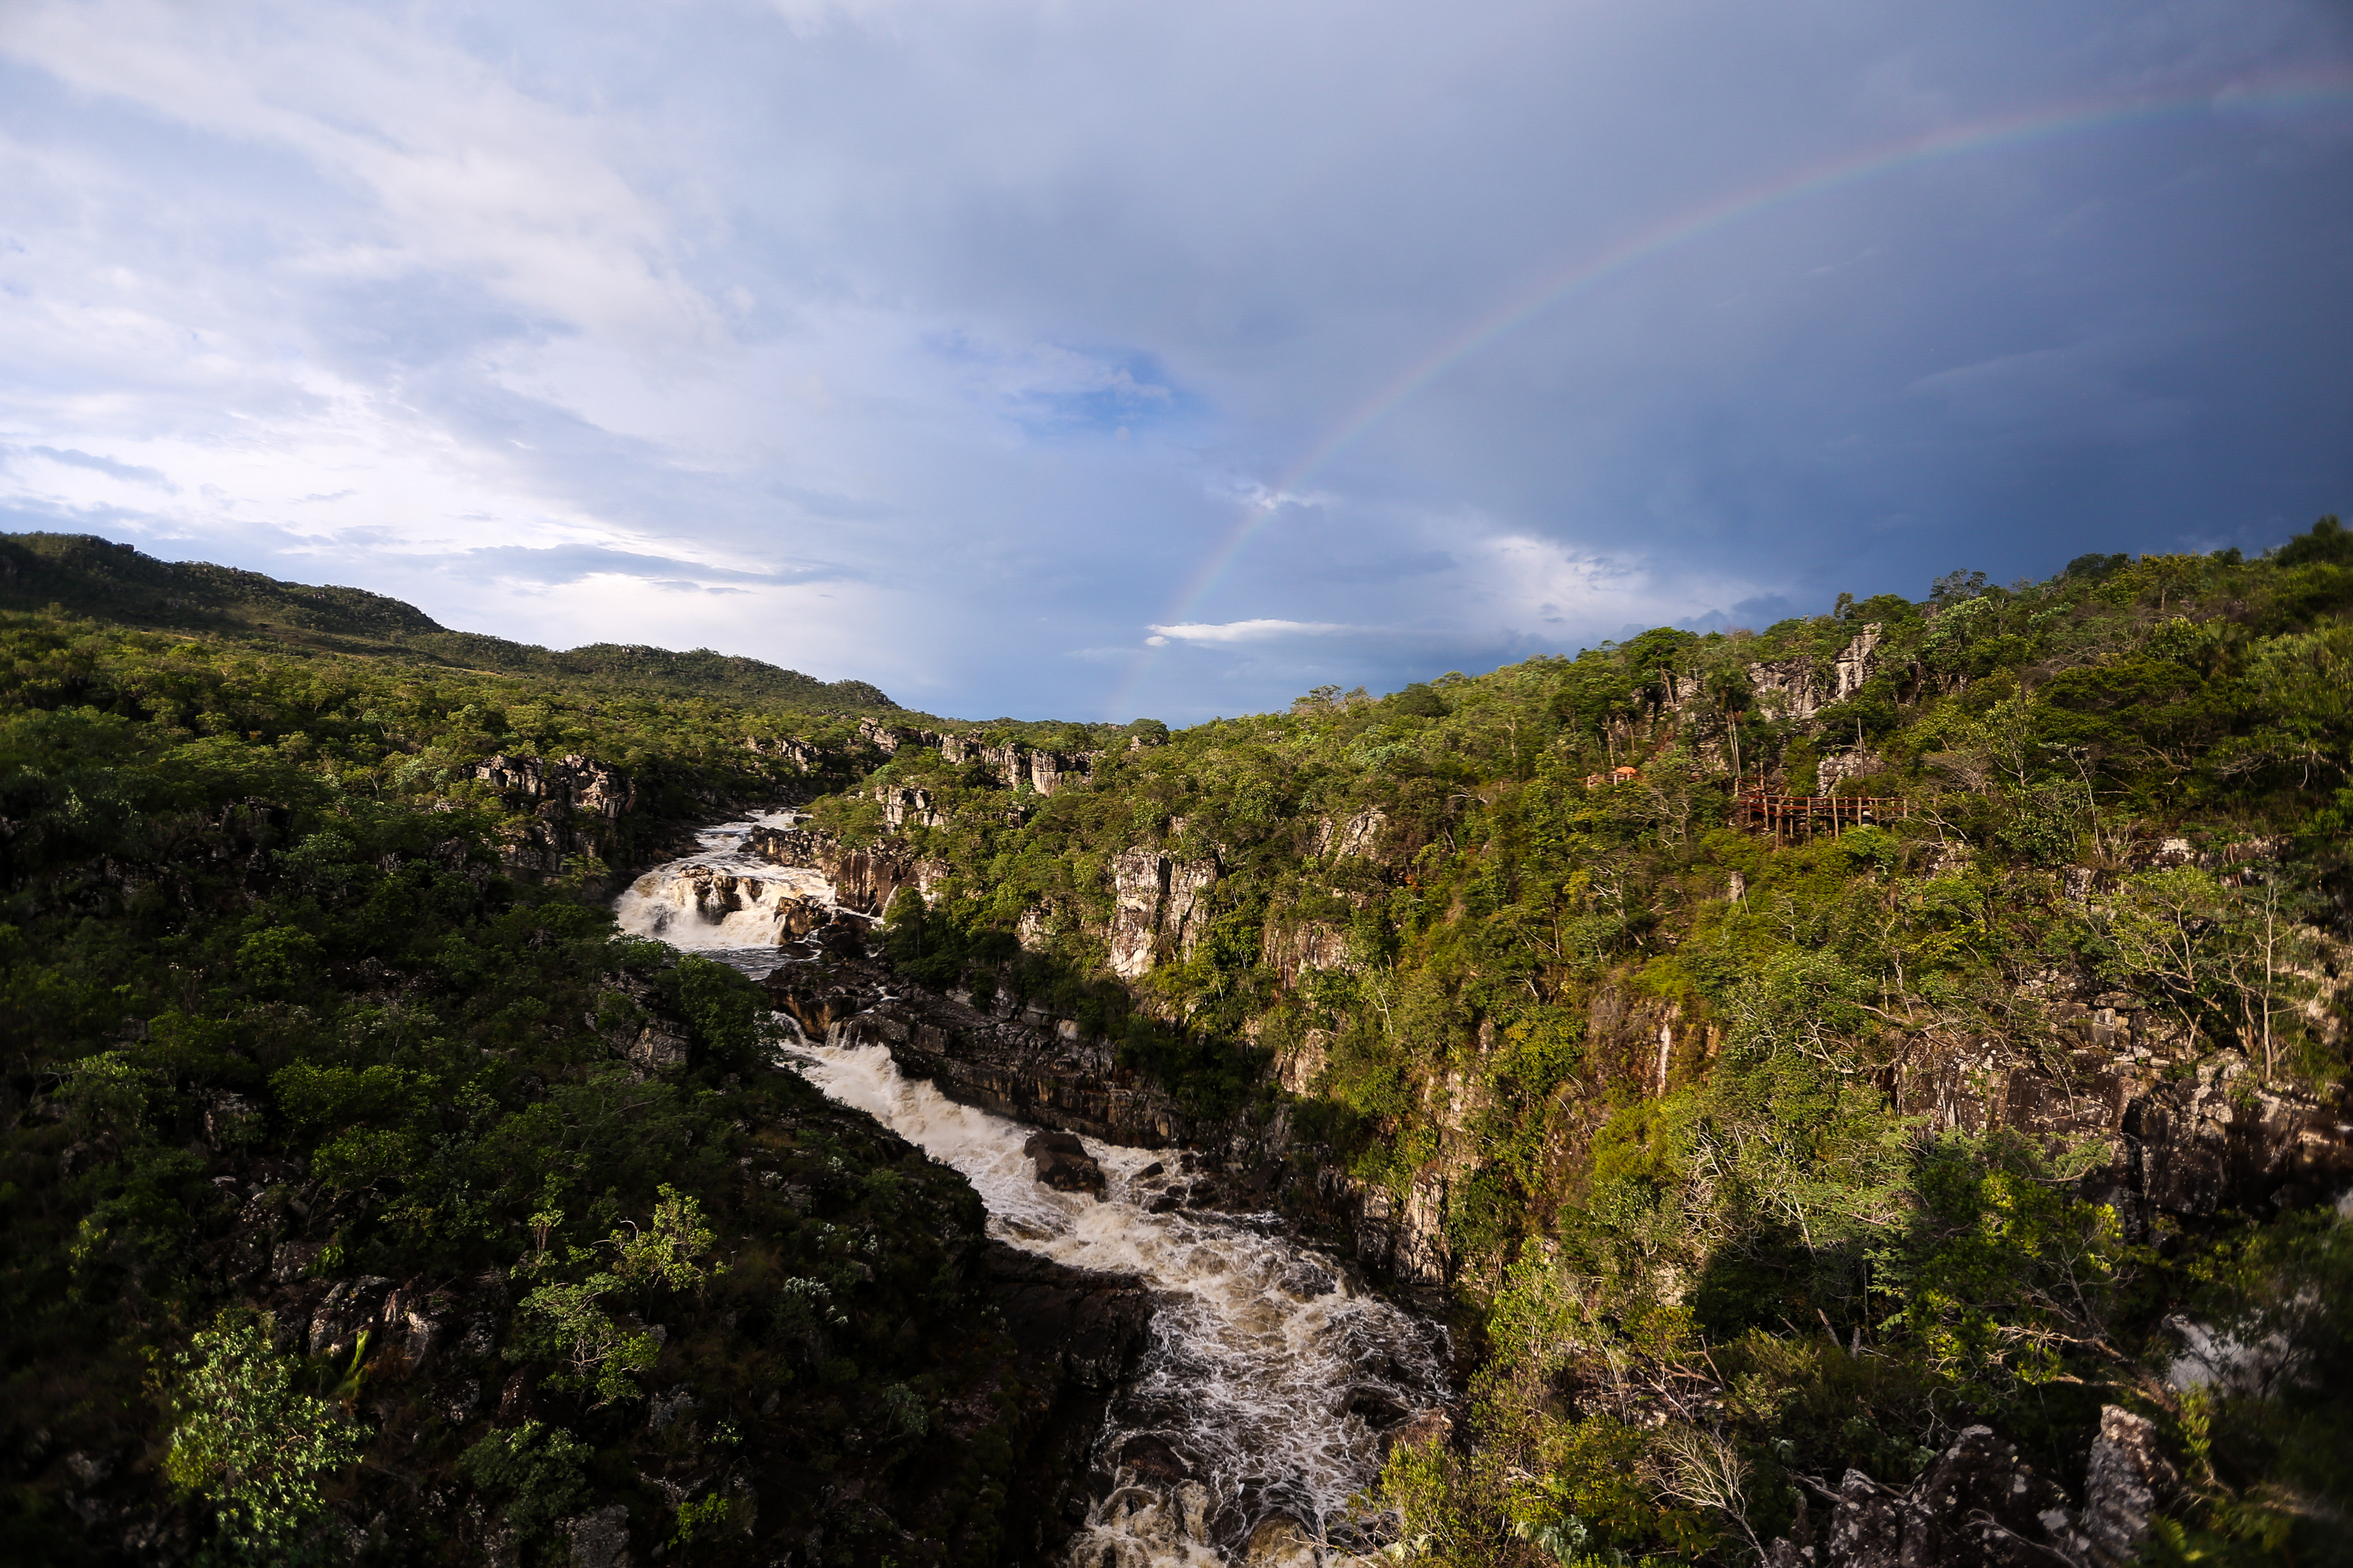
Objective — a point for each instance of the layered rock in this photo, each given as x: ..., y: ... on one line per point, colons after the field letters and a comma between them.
x: 1029, y: 1066
x: 1157, y: 909
x: 1013, y: 766
x: 903, y: 805
x: 1789, y: 687
x: 2190, y: 1132
x: 863, y: 879
x: 571, y: 804
x: 569, y: 784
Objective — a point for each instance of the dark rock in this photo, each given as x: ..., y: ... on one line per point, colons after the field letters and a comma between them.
x: 600, y: 1540
x: 2128, y: 1479
x: 1077, y: 1334
x: 1979, y: 1505
x: 1062, y: 1162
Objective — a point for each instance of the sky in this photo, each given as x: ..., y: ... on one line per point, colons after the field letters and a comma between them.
x: 1064, y: 358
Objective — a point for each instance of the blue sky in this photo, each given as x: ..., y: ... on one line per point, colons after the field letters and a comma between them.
x: 1096, y: 359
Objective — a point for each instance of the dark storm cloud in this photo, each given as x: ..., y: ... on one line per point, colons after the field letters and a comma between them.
x: 971, y: 341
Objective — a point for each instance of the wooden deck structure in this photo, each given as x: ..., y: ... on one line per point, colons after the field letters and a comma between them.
x: 1788, y: 817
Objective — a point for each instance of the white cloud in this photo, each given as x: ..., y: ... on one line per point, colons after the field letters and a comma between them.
x: 1247, y: 631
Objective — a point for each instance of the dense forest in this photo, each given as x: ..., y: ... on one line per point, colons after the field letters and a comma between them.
x: 1754, y: 1142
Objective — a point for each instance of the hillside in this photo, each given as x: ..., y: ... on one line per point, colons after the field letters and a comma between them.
x: 1875, y: 1084
x: 1792, y: 1048
x: 89, y: 575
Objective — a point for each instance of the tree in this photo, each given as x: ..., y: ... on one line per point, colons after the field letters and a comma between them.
x: 248, y: 1443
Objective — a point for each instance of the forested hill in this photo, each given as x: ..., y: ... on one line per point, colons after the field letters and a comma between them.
x: 1794, y: 1050
x: 93, y: 577
x: 1876, y: 1084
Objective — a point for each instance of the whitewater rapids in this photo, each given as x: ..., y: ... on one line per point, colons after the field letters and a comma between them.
x: 1269, y: 1372
x: 725, y: 902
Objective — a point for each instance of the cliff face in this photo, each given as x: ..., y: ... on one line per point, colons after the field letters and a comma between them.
x: 2191, y: 1131
x: 572, y: 805
x: 1791, y: 689
x: 1010, y: 766
x: 1158, y: 907
x: 863, y: 879
x: 1024, y: 1063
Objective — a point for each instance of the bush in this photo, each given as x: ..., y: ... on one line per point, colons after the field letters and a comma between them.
x: 248, y: 1443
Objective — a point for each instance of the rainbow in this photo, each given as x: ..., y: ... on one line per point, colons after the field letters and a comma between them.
x: 1985, y: 136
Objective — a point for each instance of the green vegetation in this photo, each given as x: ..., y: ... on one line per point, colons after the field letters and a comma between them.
x: 354, y: 1164
x: 1669, y: 1079
x: 80, y: 574
x: 329, y: 1133
x: 251, y: 1443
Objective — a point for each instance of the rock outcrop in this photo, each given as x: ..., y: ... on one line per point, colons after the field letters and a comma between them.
x: 1981, y: 1505
x: 1978, y: 1506
x: 1078, y: 1333
x: 2190, y: 1130
x: 1062, y: 1162
x: 1791, y: 689
x: 1024, y: 1064
x: 1014, y: 767
x: 1157, y: 909
x: 863, y: 879
x: 571, y: 805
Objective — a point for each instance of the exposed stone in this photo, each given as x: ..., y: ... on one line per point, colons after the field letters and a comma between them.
x: 2128, y: 1479
x: 352, y: 1306
x: 1089, y: 1324
x: 903, y: 803
x: 1298, y: 1067
x: 863, y: 880
x: 1061, y: 1161
x: 1787, y: 688
x: 229, y: 1119
x: 555, y: 795
x: 290, y: 1260
x: 600, y: 1540
x: 1979, y: 1505
x: 783, y: 909
x: 1357, y: 835
x: 664, y: 1408
x: 2189, y: 1136
x: 1293, y: 950
x: 1033, y: 1071
x: 1156, y: 908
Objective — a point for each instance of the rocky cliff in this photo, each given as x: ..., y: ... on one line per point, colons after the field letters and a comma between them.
x: 560, y: 807
x: 863, y: 879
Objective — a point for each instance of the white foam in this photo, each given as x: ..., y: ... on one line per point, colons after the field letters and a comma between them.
x: 722, y: 898
x: 1259, y: 1346
x: 1261, y: 1351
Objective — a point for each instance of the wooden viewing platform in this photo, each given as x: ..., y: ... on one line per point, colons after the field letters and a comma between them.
x: 1792, y: 815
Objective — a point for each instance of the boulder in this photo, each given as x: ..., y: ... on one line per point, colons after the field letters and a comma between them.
x: 1062, y: 1162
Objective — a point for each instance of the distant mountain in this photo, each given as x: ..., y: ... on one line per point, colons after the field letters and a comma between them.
x: 94, y: 576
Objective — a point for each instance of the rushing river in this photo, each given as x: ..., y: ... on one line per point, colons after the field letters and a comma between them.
x: 1256, y: 1406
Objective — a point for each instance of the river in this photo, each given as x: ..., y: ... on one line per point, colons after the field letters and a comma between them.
x: 1256, y: 1411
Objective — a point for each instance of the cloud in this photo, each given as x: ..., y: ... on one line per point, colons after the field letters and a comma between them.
x: 571, y: 563
x: 1247, y: 631
x: 95, y: 464
x: 913, y: 338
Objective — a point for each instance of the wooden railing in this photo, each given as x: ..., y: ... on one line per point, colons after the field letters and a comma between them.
x: 1803, y: 815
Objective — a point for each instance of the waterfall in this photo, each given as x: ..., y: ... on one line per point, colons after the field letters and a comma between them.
x: 1258, y: 1407
x: 725, y: 903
